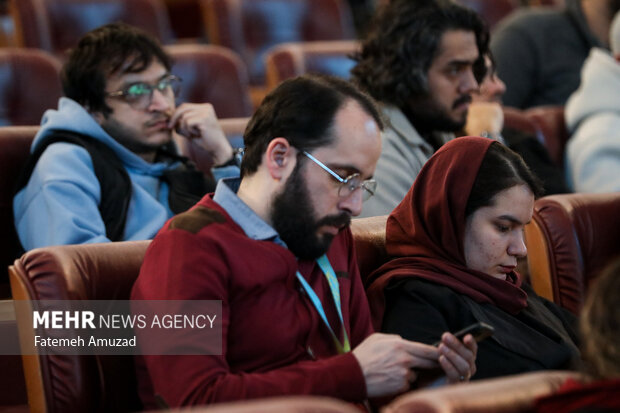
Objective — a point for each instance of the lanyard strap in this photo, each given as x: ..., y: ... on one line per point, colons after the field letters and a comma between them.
x: 332, y: 280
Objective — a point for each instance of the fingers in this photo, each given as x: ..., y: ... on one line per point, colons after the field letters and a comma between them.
x: 190, y: 125
x: 192, y: 120
x: 422, y: 355
x: 387, y: 362
x: 199, y: 122
x: 410, y: 378
x: 472, y: 346
x: 458, y: 359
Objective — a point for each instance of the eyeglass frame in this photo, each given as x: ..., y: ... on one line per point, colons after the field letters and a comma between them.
x: 345, y: 181
x: 124, y: 92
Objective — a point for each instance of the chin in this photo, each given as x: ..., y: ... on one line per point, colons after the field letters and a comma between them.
x: 499, y: 275
x: 160, y: 138
x: 326, y: 240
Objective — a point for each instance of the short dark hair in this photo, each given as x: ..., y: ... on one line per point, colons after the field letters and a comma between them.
x: 109, y: 49
x: 302, y: 110
x: 403, y: 42
x: 501, y: 168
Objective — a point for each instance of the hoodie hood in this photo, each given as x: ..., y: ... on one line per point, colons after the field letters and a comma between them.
x: 598, y: 91
x: 72, y: 117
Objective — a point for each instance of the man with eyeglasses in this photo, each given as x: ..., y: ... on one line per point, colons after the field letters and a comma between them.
x: 103, y: 166
x: 275, y: 247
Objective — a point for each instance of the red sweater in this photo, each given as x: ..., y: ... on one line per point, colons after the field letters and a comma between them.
x: 274, y: 342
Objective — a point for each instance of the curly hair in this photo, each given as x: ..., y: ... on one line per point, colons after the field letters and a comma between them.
x: 109, y: 49
x: 403, y: 41
x: 600, y: 324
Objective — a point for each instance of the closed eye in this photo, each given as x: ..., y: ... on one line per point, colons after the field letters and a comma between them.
x: 502, y: 227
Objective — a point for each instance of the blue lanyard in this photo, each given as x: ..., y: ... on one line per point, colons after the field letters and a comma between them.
x: 332, y: 280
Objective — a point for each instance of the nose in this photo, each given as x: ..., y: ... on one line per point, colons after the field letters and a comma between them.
x: 352, y: 203
x: 517, y: 246
x: 468, y: 83
x: 159, y: 101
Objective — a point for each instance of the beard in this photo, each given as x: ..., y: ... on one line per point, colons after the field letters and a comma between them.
x: 427, y: 116
x: 293, y: 217
x: 127, y: 137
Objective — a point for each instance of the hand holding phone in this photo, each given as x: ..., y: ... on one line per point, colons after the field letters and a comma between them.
x: 479, y: 331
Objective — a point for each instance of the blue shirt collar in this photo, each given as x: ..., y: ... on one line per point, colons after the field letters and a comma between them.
x: 253, y: 225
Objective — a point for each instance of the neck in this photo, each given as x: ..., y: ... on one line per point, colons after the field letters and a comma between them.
x: 597, y: 14
x: 252, y: 191
x: 148, y: 156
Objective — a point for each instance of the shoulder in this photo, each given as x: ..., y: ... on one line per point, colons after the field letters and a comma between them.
x: 206, y: 220
x: 423, y: 294
x: 196, y: 219
x: 64, y: 163
x: 429, y: 291
x: 197, y: 234
x: 398, y: 130
x: 63, y: 156
x: 204, y: 226
x: 595, y: 132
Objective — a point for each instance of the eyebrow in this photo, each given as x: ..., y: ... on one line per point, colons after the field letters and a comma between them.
x: 349, y: 168
x: 461, y: 62
x: 512, y: 219
x: 133, y: 82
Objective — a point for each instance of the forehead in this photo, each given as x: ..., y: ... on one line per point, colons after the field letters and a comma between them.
x: 357, y: 140
x: 516, y: 201
x: 456, y: 46
x: 152, y: 73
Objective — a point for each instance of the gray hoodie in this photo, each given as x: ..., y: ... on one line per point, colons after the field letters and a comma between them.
x: 593, y: 118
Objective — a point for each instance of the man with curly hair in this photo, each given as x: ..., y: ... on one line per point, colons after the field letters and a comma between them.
x: 422, y: 61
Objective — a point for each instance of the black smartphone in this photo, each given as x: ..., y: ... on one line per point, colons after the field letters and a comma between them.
x: 479, y: 331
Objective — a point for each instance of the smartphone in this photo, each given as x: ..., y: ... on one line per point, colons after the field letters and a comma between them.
x: 479, y: 331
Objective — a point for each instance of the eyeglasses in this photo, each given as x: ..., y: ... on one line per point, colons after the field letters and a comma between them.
x: 140, y: 95
x: 349, y: 184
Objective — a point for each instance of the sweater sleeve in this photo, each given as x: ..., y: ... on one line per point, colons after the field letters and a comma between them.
x: 197, y: 380
x: 59, y: 205
x: 177, y: 260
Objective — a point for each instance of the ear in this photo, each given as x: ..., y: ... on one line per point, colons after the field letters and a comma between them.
x: 280, y: 158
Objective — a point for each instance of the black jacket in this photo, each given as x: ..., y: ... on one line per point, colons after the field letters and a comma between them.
x: 540, y: 337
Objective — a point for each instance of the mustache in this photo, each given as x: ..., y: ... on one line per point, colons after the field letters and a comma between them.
x: 463, y: 99
x: 340, y: 221
x: 159, y: 118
